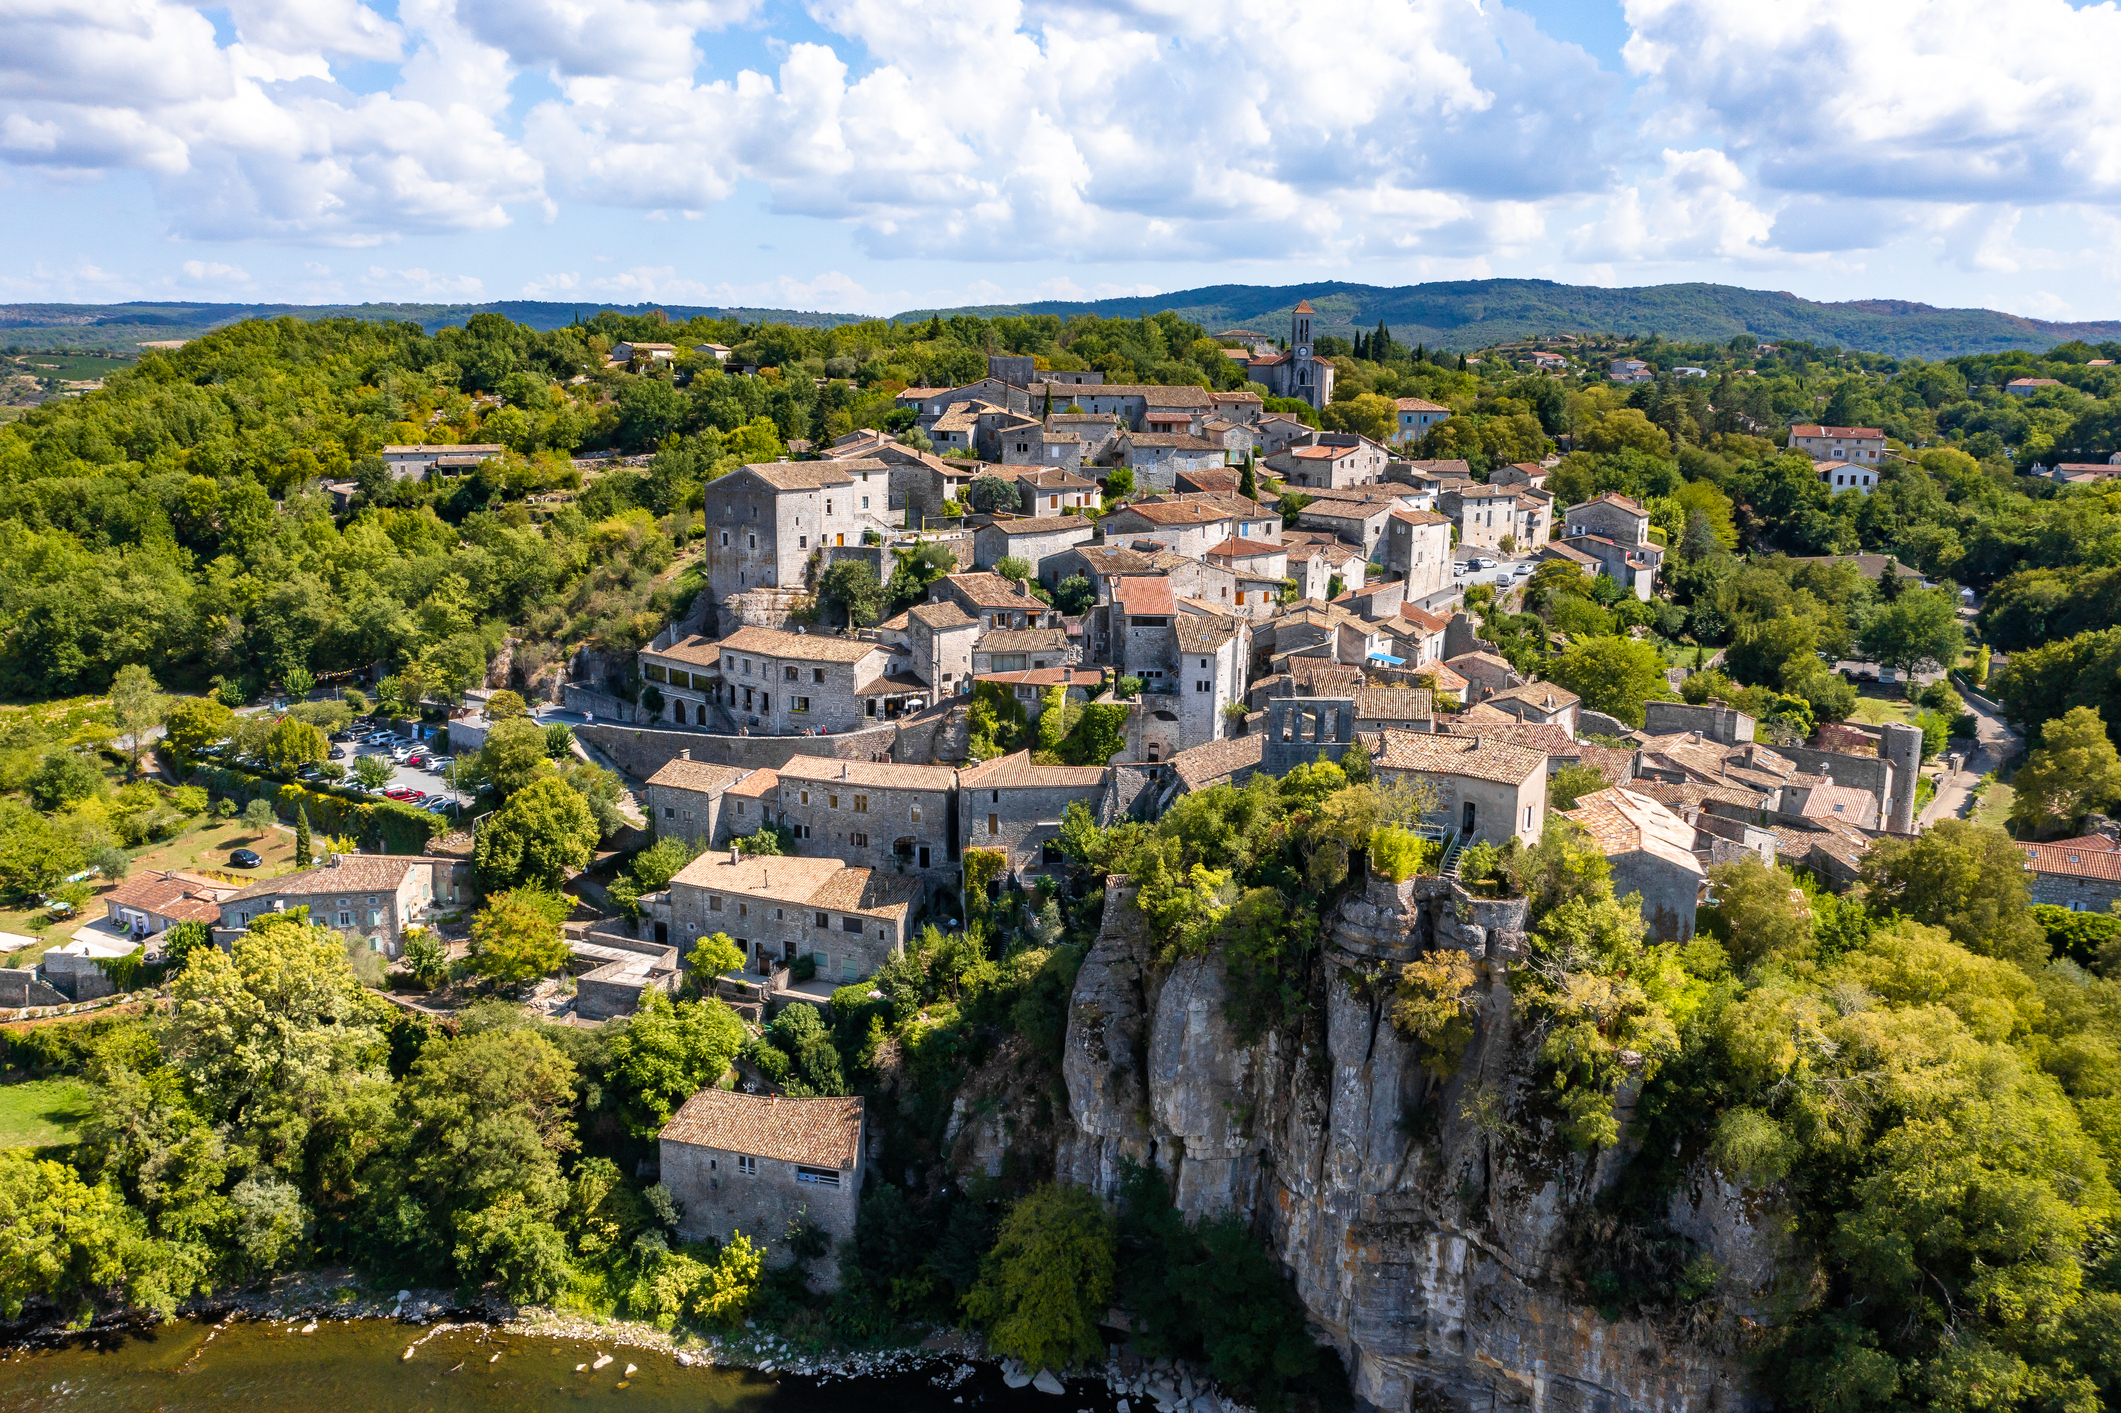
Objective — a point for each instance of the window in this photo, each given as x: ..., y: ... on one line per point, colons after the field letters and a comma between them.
x: 822, y: 921
x: 861, y: 841
x: 851, y: 924
x: 669, y: 813
x: 653, y: 673
x: 754, y: 540
x: 1049, y: 852
x: 913, y: 815
x: 817, y: 674
x: 832, y: 802
x: 1528, y: 815
x: 1203, y: 687
x: 994, y: 824
x: 861, y: 804
x: 747, y: 1165
x: 743, y: 910
x: 820, y: 1177
x: 802, y: 704
x: 714, y: 902
x: 865, y: 502
x: 788, y: 674
x: 345, y: 919
x: 802, y: 542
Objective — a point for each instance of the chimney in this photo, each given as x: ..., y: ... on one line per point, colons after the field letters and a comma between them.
x: 843, y: 770
x: 685, y: 753
x: 736, y: 853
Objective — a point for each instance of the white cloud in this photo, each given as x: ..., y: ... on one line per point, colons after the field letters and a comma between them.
x: 1694, y: 209
x: 207, y: 272
x: 1929, y: 100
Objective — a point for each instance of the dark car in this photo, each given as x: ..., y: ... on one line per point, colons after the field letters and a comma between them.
x: 244, y: 858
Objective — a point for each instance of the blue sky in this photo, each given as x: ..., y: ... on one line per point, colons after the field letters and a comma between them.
x: 867, y: 156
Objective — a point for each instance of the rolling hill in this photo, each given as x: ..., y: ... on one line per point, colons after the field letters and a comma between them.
x: 1459, y: 315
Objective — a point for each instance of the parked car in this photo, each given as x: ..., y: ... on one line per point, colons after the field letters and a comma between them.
x: 401, y: 796
x: 244, y: 858
x: 1483, y: 563
x: 437, y: 807
x: 1521, y: 570
x: 418, y: 761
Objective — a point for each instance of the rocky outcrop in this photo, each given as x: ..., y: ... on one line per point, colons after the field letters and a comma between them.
x: 1427, y: 1223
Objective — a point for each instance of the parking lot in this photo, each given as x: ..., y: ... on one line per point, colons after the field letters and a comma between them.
x: 1480, y: 567
x: 398, y: 754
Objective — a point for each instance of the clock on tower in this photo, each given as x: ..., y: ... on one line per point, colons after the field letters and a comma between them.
x: 1303, y: 350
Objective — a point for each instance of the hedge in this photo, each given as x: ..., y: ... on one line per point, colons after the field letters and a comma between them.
x: 399, y: 829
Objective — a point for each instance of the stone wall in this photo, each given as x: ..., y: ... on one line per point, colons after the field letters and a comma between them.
x: 21, y: 986
x: 641, y: 751
x: 719, y: 1201
x: 1435, y: 1257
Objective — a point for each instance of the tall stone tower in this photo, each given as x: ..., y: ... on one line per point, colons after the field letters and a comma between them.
x: 1902, y: 749
x: 1303, y: 370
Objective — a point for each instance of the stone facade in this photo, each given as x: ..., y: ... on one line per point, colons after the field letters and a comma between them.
x: 764, y: 522
x: 1039, y: 543
x: 684, y: 800
x: 759, y: 1164
x: 371, y: 896
x: 852, y: 920
x: 1417, y: 547
x: 873, y: 814
x: 1015, y: 806
x: 1213, y: 655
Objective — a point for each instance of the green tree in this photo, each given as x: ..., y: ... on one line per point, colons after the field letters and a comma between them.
x: 1612, y: 675
x: 513, y: 756
x: 2075, y: 770
x: 292, y: 744
x: 1965, y: 878
x: 1759, y: 915
x: 1046, y: 1284
x: 35, y: 854
x: 559, y: 741
x: 303, y: 856
x: 668, y: 1052
x: 989, y: 493
x: 64, y: 1241
x: 1119, y: 484
x: 516, y: 937
x: 650, y: 871
x: 506, y: 705
x: 258, y: 817
x: 191, y: 724
x: 1568, y: 785
x: 372, y: 771
x: 1916, y: 632
x: 64, y: 778
x: 425, y: 956
x: 135, y: 706
x: 849, y: 595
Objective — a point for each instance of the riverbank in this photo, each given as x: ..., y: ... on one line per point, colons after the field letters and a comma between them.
x: 307, y: 1304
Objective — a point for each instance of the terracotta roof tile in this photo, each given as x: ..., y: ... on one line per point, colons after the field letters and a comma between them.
x: 1016, y: 772
x: 1218, y: 761
x: 876, y: 775
x: 801, y: 647
x: 697, y: 775
x: 818, y: 1133
x: 1461, y: 755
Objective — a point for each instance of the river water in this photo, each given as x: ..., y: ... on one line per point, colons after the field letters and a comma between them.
x: 355, y: 1367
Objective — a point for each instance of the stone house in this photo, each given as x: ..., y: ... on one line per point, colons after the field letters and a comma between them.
x: 998, y: 429
x: 849, y: 920
x: 1051, y: 448
x: 788, y: 683
x: 1713, y: 718
x: 1633, y: 567
x: 938, y: 639
x: 1096, y: 435
x: 1523, y: 474
x: 1422, y: 632
x: 1485, y: 789
x: 931, y: 405
x: 1214, y: 654
x: 759, y: 1164
x: 1357, y: 522
x: 413, y: 462
x: 149, y: 903
x: 1612, y: 516
x: 1136, y: 406
x: 1413, y: 417
x: 2082, y: 874
x: 958, y: 429
x: 1184, y: 527
x: 748, y: 804
x: 375, y: 897
x: 1487, y: 515
x: 1237, y: 439
x: 872, y: 814
x: 1485, y: 674
x: 688, y: 672
x: 684, y: 800
x: 1015, y: 806
x: 1027, y: 687
x: 1238, y: 406
x: 1866, y: 444
x: 1038, y: 543
x: 1539, y: 702
x: 1056, y: 491
x: 1157, y: 458
x: 765, y: 522
x: 1417, y: 546
x: 1018, y: 649
x: 1332, y: 459
x: 992, y: 601
x: 915, y: 482
x: 1317, y: 557
x: 1651, y: 852
x: 1142, y: 618
x: 1259, y: 567
x: 1104, y: 565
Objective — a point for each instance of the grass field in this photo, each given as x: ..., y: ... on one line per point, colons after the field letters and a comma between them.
x: 70, y: 367
x: 1876, y: 711
x: 43, y: 1112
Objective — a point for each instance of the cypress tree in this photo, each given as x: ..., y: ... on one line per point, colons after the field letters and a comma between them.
x: 302, y: 845
x: 1247, y: 483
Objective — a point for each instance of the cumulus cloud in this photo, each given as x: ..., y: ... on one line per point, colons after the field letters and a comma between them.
x: 1695, y: 208
x: 421, y: 283
x: 1930, y: 100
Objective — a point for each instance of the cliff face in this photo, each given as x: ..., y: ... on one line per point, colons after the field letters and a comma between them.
x: 1428, y: 1223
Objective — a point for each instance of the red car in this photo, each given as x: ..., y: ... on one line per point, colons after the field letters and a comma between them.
x: 401, y: 794
x: 417, y: 762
